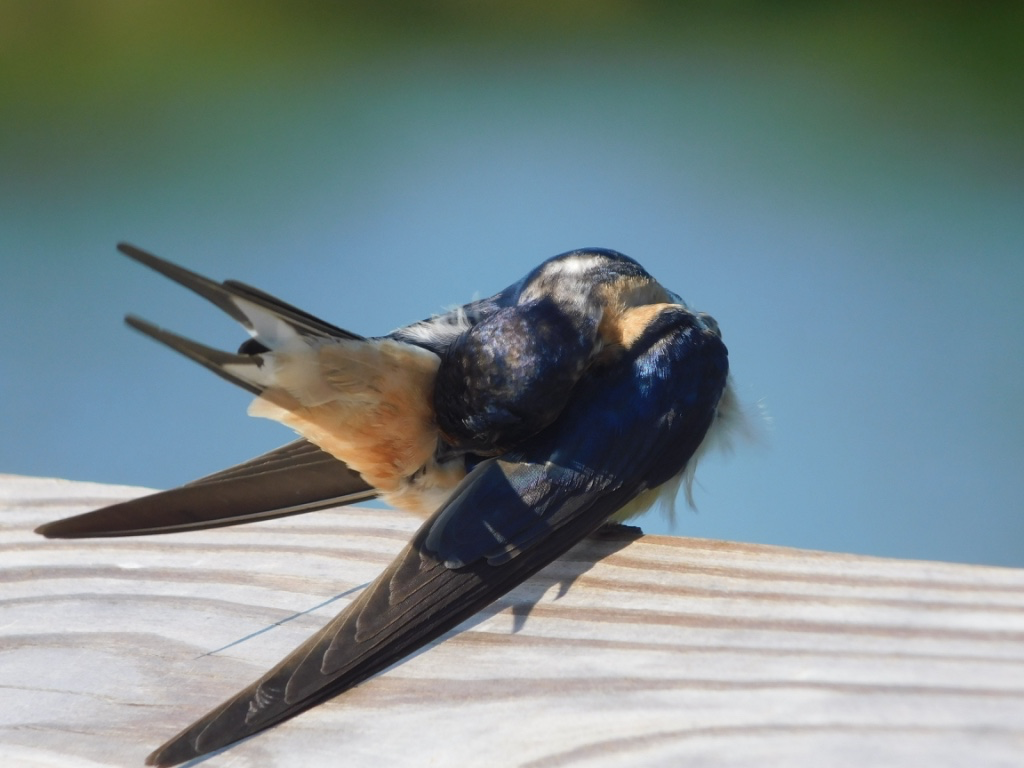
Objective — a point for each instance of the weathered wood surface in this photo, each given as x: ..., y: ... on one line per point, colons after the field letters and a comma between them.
x: 668, y: 651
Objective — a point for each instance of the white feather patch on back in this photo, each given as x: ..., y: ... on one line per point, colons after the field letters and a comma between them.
x: 440, y: 329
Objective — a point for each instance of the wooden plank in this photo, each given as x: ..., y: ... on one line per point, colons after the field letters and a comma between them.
x: 668, y: 651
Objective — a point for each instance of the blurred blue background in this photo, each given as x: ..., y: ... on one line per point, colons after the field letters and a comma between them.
x: 841, y: 185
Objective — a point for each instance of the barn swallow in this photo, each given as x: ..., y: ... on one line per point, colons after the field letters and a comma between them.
x: 516, y: 425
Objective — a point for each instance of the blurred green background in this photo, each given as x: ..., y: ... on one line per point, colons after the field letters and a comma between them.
x: 840, y: 184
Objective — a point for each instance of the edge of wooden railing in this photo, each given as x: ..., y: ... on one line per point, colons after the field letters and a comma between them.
x: 630, y: 651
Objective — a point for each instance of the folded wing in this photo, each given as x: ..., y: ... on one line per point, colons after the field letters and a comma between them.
x: 295, y: 478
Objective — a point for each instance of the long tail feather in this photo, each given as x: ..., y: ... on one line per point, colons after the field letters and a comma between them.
x: 256, y: 310
x: 224, y: 364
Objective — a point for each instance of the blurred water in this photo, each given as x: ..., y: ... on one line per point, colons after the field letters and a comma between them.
x: 867, y: 275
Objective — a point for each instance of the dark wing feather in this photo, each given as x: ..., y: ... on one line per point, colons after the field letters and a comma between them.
x: 632, y: 425
x: 295, y: 478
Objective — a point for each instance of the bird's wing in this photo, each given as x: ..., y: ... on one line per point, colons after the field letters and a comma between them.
x: 295, y: 478
x: 632, y: 425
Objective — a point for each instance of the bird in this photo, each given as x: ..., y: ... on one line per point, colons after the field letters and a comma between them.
x: 515, y: 426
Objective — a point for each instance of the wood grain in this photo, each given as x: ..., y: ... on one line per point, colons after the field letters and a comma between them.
x: 667, y: 651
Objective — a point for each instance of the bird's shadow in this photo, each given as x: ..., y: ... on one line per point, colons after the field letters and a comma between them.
x: 607, y: 540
